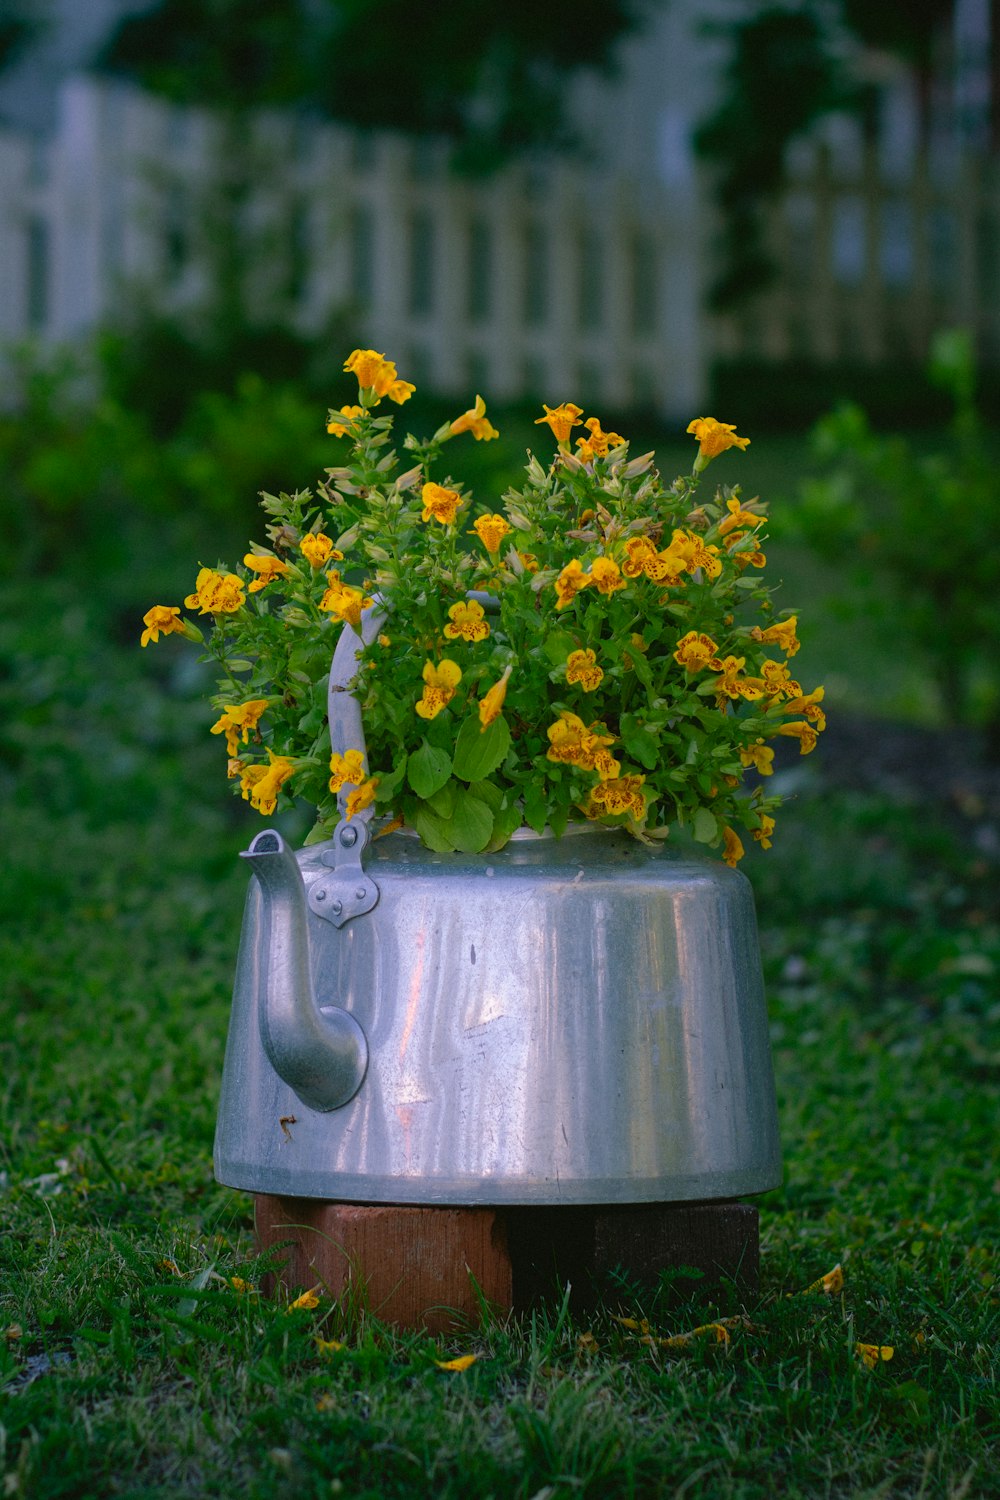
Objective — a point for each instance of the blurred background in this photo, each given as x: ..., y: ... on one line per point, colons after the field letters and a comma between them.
x: 783, y: 215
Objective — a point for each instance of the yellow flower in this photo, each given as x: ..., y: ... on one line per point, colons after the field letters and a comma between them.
x: 530, y: 561
x: 760, y: 756
x: 689, y: 546
x: 476, y: 422
x: 781, y: 635
x: 492, y: 702
x: 581, y: 667
x: 327, y: 1346
x: 363, y: 797
x: 809, y: 705
x: 731, y: 684
x: 569, y: 583
x: 337, y: 429
x: 803, y: 732
x: 696, y: 651
x: 267, y: 569
x: 870, y: 1354
x: 763, y: 833
x: 467, y: 622
x: 732, y: 848
x: 738, y: 517
x: 491, y: 531
x: 400, y: 391
x: 318, y: 550
x: 638, y: 551
x: 344, y: 602
x: 347, y: 769
x: 778, y: 681
x: 308, y: 1300
x: 562, y: 419
x: 261, y: 784
x: 216, y: 593
x: 606, y: 576
x: 374, y: 372
x: 830, y: 1284
x: 597, y: 445
x: 440, y: 684
x: 162, y: 619
x: 439, y: 504
x: 571, y: 742
x: 713, y: 438
x: 242, y: 1288
x: 618, y: 794
x: 462, y: 1363
x: 237, y: 717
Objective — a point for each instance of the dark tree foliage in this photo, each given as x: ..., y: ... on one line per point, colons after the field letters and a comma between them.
x: 780, y: 76
x: 19, y: 25
x: 491, y: 77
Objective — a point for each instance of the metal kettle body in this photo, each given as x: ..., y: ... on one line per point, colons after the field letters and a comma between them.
x: 567, y: 1021
x: 564, y: 1021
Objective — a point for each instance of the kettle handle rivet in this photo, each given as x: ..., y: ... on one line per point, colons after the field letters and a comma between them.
x: 338, y: 906
x: 321, y: 895
x: 361, y: 892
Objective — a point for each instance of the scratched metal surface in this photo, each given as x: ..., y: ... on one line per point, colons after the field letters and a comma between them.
x: 566, y: 1021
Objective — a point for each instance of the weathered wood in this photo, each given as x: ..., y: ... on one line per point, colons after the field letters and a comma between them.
x: 429, y: 1267
x: 434, y: 1267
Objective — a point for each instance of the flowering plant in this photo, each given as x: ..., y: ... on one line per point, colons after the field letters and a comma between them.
x: 602, y: 646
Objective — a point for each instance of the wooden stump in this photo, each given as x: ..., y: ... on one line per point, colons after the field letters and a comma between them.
x: 436, y: 1267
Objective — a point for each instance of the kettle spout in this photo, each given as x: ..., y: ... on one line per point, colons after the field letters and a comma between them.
x: 321, y: 1054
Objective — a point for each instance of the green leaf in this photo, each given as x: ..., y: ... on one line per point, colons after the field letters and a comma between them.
x: 434, y: 831
x: 479, y: 751
x: 705, y: 827
x: 557, y: 646
x: 471, y: 824
x: 427, y: 769
x: 443, y: 800
x: 488, y: 792
x: 388, y: 786
x: 536, y: 808
x: 644, y: 747
x: 505, y: 823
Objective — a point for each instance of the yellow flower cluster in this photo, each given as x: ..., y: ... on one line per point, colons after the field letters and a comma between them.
x: 377, y: 374
x: 237, y: 720
x: 260, y: 784
x: 216, y: 593
x: 343, y: 601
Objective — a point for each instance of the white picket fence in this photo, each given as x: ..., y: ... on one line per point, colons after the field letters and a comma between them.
x: 549, y: 280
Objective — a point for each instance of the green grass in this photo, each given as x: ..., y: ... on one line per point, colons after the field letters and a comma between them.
x: 120, y: 892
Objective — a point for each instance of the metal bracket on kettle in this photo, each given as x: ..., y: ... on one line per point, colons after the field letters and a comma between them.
x: 347, y: 891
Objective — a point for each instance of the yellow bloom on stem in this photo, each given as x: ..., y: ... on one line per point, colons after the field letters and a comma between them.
x: 376, y: 373
x: 267, y: 569
x: 738, y: 517
x: 440, y: 683
x: 870, y: 1354
x: 216, y: 593
x: 696, y: 554
x: 492, y: 702
x: 400, y: 391
x: 363, y: 797
x: 491, y: 531
x: 439, y: 504
x: 581, y: 667
x: 562, y: 419
x: 571, y: 742
x: 696, y: 651
x: 638, y: 551
x: 732, y: 848
x: 803, y: 732
x: 347, y: 769
x: 467, y: 622
x: 782, y: 635
x: 809, y: 705
x: 598, y: 443
x: 344, y: 602
x: 713, y: 438
x: 239, y: 717
x: 618, y: 794
x: 760, y: 756
x: 731, y: 684
x: 337, y: 429
x: 569, y: 583
x: 318, y: 550
x: 763, y: 833
x: 747, y: 557
x: 327, y: 1346
x: 606, y: 576
x: 261, y: 784
x: 476, y: 422
x: 778, y: 681
x: 164, y: 619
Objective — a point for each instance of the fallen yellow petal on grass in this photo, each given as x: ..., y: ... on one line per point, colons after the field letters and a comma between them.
x: 831, y: 1283
x: 327, y: 1346
x: 586, y: 1344
x: 715, y: 1331
x: 870, y: 1354
x: 307, y: 1300
x: 462, y: 1363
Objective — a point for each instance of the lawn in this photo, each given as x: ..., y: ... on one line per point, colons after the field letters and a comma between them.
x: 137, y: 1357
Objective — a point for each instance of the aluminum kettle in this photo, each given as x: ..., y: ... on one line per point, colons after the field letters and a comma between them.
x: 565, y: 1021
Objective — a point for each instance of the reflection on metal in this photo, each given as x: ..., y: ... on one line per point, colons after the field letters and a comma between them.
x: 577, y: 1020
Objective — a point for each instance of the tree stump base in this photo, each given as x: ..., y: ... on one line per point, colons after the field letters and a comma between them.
x: 438, y: 1268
